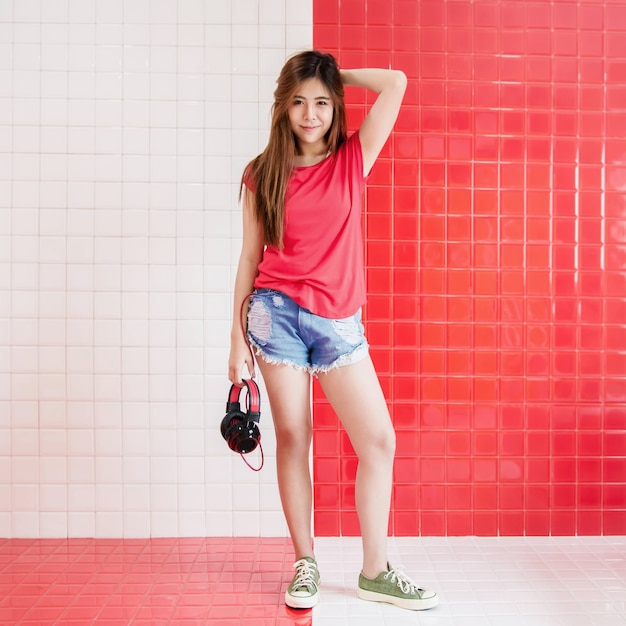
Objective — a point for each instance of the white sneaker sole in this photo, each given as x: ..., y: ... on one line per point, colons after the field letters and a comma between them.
x: 411, y: 605
x: 304, y: 602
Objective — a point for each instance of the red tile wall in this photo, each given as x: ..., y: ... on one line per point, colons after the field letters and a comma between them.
x: 495, y: 230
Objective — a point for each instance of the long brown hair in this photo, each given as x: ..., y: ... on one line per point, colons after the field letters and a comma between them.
x: 271, y: 170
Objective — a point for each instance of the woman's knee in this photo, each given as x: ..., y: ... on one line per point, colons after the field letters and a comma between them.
x: 294, y: 437
x: 387, y: 442
x: 378, y: 446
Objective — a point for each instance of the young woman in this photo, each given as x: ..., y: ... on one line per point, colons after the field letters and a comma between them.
x: 302, y: 261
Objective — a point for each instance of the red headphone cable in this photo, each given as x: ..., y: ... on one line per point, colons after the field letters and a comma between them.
x: 244, y: 327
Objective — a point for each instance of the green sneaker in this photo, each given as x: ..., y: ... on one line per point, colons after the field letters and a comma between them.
x: 395, y: 587
x: 303, y: 591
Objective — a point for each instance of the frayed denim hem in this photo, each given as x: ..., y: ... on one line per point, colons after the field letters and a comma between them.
x: 270, y: 360
x: 358, y: 354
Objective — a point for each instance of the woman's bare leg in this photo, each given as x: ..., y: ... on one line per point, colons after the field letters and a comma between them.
x: 289, y: 391
x: 356, y: 396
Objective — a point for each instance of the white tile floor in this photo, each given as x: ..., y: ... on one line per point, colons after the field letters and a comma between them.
x: 521, y: 581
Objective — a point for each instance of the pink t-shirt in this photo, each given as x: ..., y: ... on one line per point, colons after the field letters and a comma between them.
x: 321, y: 265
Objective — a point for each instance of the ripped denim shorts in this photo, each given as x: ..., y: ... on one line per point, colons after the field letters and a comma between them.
x: 283, y: 332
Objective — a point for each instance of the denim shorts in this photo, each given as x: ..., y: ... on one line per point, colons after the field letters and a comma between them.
x: 283, y: 332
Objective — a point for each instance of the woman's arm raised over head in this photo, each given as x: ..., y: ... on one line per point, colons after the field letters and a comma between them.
x: 390, y: 86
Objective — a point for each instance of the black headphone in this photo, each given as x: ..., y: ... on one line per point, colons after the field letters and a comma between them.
x: 241, y: 429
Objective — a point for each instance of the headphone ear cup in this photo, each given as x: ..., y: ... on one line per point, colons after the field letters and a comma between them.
x: 231, y: 424
x: 248, y: 438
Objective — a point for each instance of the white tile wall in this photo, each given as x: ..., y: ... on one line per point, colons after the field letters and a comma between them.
x: 124, y: 128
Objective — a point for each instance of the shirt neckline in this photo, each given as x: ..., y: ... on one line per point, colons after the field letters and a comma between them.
x: 306, y: 167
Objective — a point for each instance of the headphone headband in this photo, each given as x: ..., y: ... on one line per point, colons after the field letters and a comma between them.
x: 253, y: 399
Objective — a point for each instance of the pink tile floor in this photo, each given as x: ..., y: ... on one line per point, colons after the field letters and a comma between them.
x: 486, y: 581
x: 220, y: 581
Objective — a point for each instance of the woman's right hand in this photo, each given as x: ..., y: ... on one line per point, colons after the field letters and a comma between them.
x: 240, y: 355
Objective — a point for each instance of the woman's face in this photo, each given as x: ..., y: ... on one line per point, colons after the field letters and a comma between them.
x: 311, y: 115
